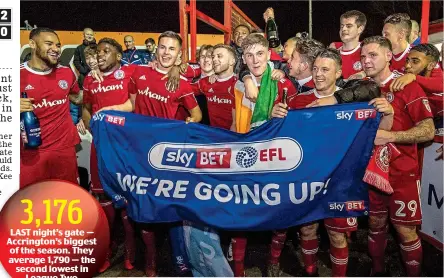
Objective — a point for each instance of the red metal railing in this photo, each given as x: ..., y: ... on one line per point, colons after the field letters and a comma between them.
x: 425, y: 21
x: 190, y: 10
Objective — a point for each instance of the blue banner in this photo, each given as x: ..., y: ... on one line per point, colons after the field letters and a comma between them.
x: 287, y: 172
x: 205, y: 252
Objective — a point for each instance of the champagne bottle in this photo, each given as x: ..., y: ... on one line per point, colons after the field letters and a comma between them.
x: 30, y: 128
x: 272, y: 33
x: 284, y: 96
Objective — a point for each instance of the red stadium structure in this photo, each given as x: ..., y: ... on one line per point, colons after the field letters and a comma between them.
x: 232, y: 14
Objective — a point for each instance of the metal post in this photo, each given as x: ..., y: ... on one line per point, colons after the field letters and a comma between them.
x: 193, y: 30
x: 310, y: 20
x: 425, y: 21
x: 227, y: 21
x: 183, y: 18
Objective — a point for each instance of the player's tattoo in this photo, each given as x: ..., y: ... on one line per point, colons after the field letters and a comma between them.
x: 423, y: 132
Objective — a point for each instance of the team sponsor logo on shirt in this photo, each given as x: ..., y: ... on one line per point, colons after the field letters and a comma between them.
x: 351, y: 221
x: 347, y: 206
x: 63, y: 84
x: 217, y: 100
x: 276, y: 155
x: 390, y: 97
x: 357, y: 65
x: 360, y: 114
x: 119, y: 74
x: 136, y: 56
x: 108, y: 88
x: 152, y: 95
x: 46, y: 103
x: 426, y: 104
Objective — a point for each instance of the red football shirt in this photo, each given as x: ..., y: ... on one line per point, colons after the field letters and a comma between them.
x: 306, y: 82
x: 299, y: 101
x: 113, y: 90
x: 192, y: 71
x: 398, y: 61
x: 220, y: 99
x: 309, y: 84
x: 351, y: 61
x: 152, y: 97
x: 338, y: 44
x: 411, y: 106
x: 274, y: 56
x: 433, y: 86
x: 50, y: 90
x: 282, y: 84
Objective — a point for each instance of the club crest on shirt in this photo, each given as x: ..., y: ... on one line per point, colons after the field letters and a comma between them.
x: 119, y: 74
x: 63, y: 84
x: 390, y: 97
x: 383, y: 158
x: 351, y: 221
x: 357, y: 65
x: 426, y: 104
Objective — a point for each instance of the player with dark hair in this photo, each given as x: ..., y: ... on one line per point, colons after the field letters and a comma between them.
x: 352, y: 26
x: 110, y: 94
x: 49, y: 88
x: 239, y: 34
x: 150, y: 97
x: 326, y: 70
x: 397, y: 28
x: 300, y: 64
x: 150, y: 54
x: 412, y: 124
x: 422, y: 66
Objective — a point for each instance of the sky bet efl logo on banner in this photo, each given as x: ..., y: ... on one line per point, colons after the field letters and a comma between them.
x: 359, y: 115
x: 287, y: 172
x: 275, y: 155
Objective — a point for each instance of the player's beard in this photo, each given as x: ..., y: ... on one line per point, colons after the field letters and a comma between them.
x: 44, y: 57
x: 222, y: 69
x: 423, y: 72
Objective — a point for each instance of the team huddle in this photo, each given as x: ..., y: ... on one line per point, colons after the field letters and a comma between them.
x: 228, y: 88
